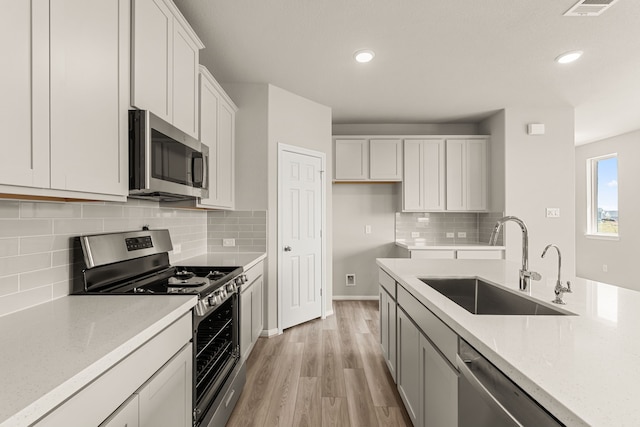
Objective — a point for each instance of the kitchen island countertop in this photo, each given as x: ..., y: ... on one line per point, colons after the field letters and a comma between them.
x: 584, y: 369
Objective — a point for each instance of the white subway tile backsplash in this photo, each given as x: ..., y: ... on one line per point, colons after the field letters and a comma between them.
x: 50, y: 210
x: 9, y: 209
x: 33, y: 245
x: 9, y: 284
x: 21, y: 300
x: 102, y: 211
x: 24, y: 263
x: 36, y: 240
x: 9, y: 247
x: 77, y: 226
x: 25, y: 227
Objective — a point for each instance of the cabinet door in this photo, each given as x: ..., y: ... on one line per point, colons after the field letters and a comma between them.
x: 385, y: 160
x: 476, y: 179
x: 166, y: 399
x: 423, y: 185
x: 439, y: 386
x: 209, y: 106
x: 352, y: 159
x: 186, y: 56
x: 456, y: 175
x: 89, y: 68
x: 126, y: 415
x: 225, y: 159
x: 408, y: 378
x: 24, y: 103
x: 256, y: 310
x: 245, y: 322
x: 152, y: 58
x: 388, y: 330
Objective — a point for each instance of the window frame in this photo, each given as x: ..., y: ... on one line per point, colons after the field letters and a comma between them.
x: 592, y: 198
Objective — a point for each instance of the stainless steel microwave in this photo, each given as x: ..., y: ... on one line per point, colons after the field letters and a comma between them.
x: 165, y: 164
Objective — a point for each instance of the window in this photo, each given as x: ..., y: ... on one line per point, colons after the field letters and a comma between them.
x: 602, y: 178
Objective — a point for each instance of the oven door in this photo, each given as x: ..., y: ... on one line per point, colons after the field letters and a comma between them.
x: 216, y: 355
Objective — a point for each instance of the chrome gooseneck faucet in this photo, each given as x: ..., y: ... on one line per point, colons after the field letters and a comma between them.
x: 525, y: 274
x: 559, y: 289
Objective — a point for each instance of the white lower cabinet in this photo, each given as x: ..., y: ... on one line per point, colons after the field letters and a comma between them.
x: 388, y: 330
x: 408, y: 374
x: 251, y: 300
x: 426, y: 379
x: 155, y: 382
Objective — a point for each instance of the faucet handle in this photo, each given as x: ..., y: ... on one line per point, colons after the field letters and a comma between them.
x: 535, y: 275
x: 568, y: 287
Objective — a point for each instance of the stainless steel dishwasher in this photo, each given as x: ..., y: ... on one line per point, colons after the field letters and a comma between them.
x: 487, y: 398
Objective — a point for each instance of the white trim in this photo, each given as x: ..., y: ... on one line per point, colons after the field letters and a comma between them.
x: 592, y: 198
x: 602, y: 236
x: 268, y: 333
x: 356, y: 297
x: 323, y: 226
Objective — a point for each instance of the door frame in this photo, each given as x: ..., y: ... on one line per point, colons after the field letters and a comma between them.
x: 323, y: 226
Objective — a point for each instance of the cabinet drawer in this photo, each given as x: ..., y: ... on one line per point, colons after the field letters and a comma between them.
x: 387, y: 282
x: 252, y: 274
x: 444, y: 338
x: 480, y: 254
x: 433, y: 254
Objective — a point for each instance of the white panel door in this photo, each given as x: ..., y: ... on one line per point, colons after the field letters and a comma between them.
x: 186, y: 56
x: 385, y: 159
x: 352, y: 159
x: 477, y: 174
x: 301, y: 251
x: 456, y: 175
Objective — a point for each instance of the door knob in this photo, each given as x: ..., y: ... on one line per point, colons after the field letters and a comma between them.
x: 287, y: 248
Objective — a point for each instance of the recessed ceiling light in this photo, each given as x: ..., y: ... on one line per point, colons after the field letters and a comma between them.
x: 364, y: 55
x: 568, y: 57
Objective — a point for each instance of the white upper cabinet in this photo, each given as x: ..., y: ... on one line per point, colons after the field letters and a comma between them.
x: 166, y: 53
x: 217, y: 131
x: 466, y: 174
x: 65, y: 98
x: 423, y: 187
x: 368, y: 159
x: 24, y: 101
x: 88, y: 103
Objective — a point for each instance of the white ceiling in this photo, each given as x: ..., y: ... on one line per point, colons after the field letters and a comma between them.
x: 436, y: 60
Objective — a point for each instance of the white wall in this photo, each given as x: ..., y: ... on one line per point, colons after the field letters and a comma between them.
x: 297, y: 121
x: 496, y: 127
x: 354, y: 207
x: 618, y: 255
x: 268, y: 115
x: 406, y: 129
x: 539, y: 173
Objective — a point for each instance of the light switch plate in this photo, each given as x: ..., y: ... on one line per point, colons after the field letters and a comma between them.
x: 450, y: 235
x: 228, y: 242
x: 415, y: 234
x: 462, y: 234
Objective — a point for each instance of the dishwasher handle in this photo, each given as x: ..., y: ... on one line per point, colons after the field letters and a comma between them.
x: 484, y: 392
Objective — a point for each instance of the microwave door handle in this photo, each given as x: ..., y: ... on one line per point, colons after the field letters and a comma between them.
x: 205, y: 171
x: 197, y: 170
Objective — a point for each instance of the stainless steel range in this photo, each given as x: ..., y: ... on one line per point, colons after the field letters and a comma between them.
x: 137, y: 262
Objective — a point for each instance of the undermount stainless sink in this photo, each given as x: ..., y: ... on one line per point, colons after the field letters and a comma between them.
x: 480, y: 297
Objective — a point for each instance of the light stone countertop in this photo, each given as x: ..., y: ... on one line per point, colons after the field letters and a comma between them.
x: 51, y: 351
x: 224, y: 259
x: 584, y: 369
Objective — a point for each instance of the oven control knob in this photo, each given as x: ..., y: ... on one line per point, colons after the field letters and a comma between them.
x: 244, y: 278
x: 201, y: 307
x: 231, y: 286
x: 223, y: 293
x: 213, y: 299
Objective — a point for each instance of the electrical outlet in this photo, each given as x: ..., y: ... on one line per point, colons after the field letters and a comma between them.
x: 228, y: 242
x: 367, y: 229
x: 553, y: 212
x: 462, y: 234
x: 351, y: 279
x: 450, y: 235
x: 415, y: 234
x: 177, y: 248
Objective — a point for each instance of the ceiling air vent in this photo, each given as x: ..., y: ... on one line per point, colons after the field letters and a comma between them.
x: 589, y: 7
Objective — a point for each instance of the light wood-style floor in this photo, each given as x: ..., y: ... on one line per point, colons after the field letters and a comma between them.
x: 322, y: 373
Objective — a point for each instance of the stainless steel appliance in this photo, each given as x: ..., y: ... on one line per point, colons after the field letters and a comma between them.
x: 487, y: 398
x: 137, y: 262
x: 165, y: 164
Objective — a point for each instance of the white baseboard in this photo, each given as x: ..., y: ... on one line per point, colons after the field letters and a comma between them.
x: 269, y: 332
x: 355, y: 297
